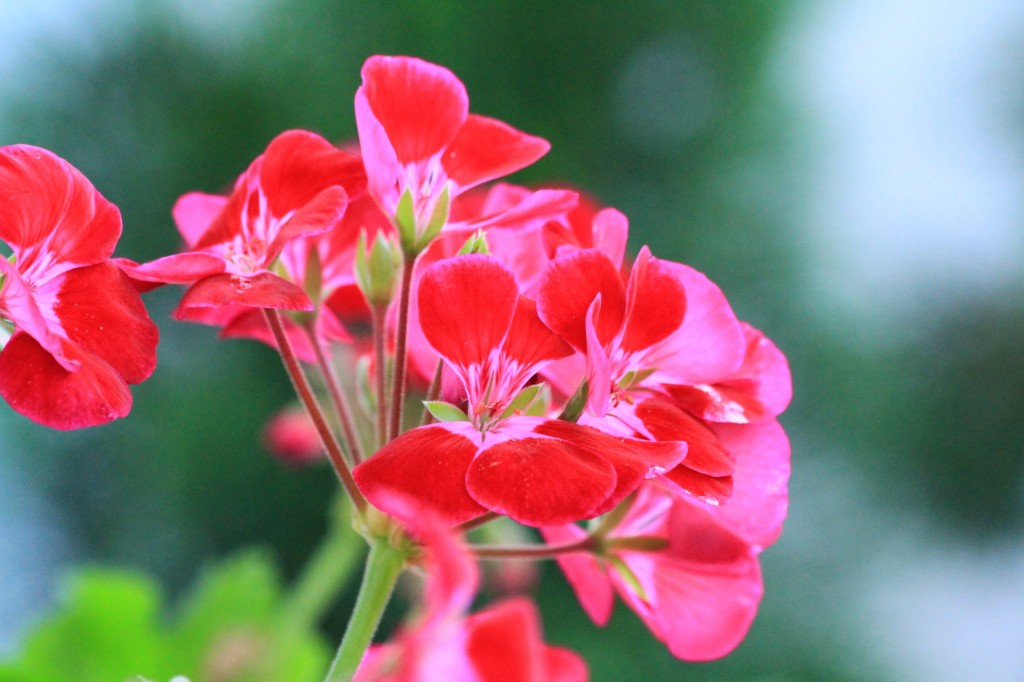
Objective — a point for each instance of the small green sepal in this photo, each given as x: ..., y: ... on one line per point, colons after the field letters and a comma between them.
x: 445, y: 412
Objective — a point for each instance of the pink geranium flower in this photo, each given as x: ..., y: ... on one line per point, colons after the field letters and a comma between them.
x: 692, y: 581
x: 74, y: 331
x: 535, y: 469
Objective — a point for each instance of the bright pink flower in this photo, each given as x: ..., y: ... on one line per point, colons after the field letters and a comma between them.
x: 638, y: 335
x: 537, y: 470
x: 698, y: 592
x: 73, y: 329
x: 416, y: 134
x: 299, y: 187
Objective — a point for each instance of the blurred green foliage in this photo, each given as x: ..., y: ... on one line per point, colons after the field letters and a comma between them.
x: 229, y: 628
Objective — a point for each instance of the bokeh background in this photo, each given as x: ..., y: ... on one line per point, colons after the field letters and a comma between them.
x: 850, y: 172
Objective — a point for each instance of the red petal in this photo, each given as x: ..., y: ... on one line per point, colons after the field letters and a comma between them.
x: 633, y: 460
x: 194, y: 212
x: 656, y: 304
x: 540, y: 481
x: 715, y: 490
x: 563, y: 665
x: 427, y: 464
x: 568, y: 287
x: 504, y: 642
x: 320, y: 214
x: 486, y: 149
x: 34, y: 384
x: 529, y: 342
x: 299, y: 165
x: 180, y: 268
x: 262, y: 290
x: 665, y: 422
x: 51, y: 215
x: 251, y: 324
x: 466, y: 305
x: 99, y: 309
x: 420, y: 105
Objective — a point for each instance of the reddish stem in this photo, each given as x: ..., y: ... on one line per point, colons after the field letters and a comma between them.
x: 309, y: 401
x: 398, y: 380
x: 337, y: 396
x: 532, y: 551
x: 432, y: 393
x: 380, y: 317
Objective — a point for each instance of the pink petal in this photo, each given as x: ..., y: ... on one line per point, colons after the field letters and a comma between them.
x: 760, y: 498
x: 610, y: 231
x: 765, y: 364
x: 569, y: 285
x: 486, y: 149
x: 588, y: 580
x: 420, y: 105
x: 20, y: 305
x: 709, y: 345
x: 194, y: 212
x: 452, y: 575
x: 99, y: 309
x: 466, y: 305
x: 383, y: 172
x: 540, y: 481
x: 36, y: 386
x: 702, y: 601
x: 262, y: 290
x: 428, y: 464
x: 51, y: 215
x: 655, y: 304
x: 599, y: 367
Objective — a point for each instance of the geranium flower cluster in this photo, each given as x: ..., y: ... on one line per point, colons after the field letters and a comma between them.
x: 617, y: 405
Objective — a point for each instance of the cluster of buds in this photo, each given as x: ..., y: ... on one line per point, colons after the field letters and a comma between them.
x: 617, y: 405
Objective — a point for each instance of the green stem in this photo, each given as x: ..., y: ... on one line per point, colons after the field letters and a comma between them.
x: 309, y: 401
x: 401, y: 334
x: 383, y: 567
x: 323, y: 576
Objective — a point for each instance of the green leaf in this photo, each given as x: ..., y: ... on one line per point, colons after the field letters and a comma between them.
x: 523, y: 400
x: 445, y: 412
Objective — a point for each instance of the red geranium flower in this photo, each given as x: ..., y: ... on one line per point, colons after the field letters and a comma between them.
x: 537, y: 470
x: 299, y: 187
x: 73, y: 329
